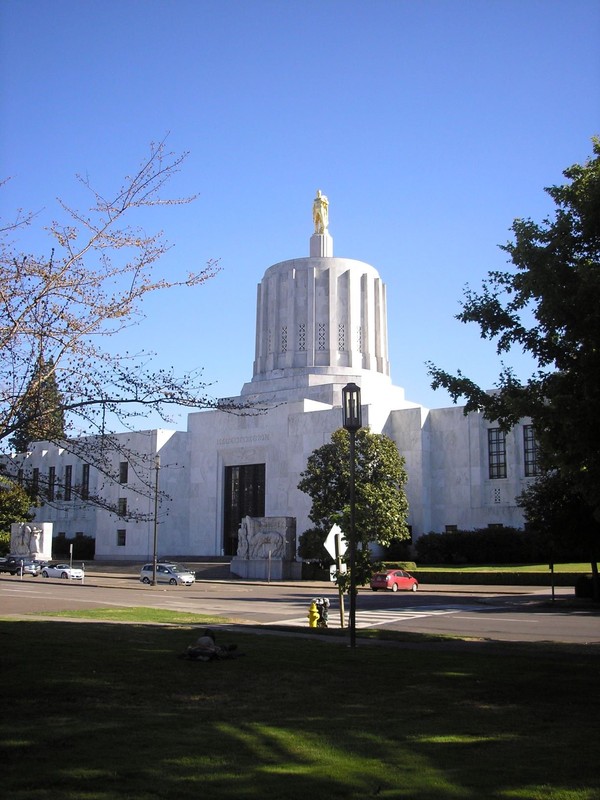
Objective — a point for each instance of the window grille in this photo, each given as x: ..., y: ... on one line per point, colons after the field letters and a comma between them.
x: 497, y: 453
x: 35, y: 481
x: 530, y: 450
x: 85, y: 481
x: 68, y: 481
x: 302, y: 336
x: 322, y: 338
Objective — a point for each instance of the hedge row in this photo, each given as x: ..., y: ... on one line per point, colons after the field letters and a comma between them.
x: 485, y: 546
x: 496, y: 578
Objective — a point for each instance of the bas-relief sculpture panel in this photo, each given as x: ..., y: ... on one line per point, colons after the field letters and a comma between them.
x: 266, y: 549
x: 31, y: 539
x: 267, y: 537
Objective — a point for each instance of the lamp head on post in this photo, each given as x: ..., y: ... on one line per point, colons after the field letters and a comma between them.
x: 351, y: 408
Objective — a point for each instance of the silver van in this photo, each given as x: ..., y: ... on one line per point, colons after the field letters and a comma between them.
x: 167, y: 573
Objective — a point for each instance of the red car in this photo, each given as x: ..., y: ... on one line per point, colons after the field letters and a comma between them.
x: 394, y: 579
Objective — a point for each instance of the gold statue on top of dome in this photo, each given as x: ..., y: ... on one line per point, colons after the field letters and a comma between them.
x: 320, y: 212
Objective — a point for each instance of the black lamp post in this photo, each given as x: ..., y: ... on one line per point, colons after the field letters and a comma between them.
x: 155, y: 554
x: 352, y: 421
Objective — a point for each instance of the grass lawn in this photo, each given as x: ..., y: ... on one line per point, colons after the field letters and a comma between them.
x: 95, y: 710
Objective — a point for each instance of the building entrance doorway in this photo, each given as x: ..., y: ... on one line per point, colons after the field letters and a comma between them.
x: 244, y: 496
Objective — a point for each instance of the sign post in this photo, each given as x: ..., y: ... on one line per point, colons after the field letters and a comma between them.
x: 336, y: 549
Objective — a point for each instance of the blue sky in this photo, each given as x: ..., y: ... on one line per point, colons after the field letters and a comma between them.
x: 429, y: 124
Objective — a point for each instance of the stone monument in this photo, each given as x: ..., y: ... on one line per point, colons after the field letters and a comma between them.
x: 267, y: 549
x: 31, y: 540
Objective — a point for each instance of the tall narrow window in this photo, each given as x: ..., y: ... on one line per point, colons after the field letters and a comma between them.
x: 244, y: 496
x: 121, y: 537
x: 530, y: 450
x: 85, y: 481
x: 123, y: 472
x: 68, y: 481
x: 497, y: 452
x: 35, y: 481
x: 51, y: 482
x: 122, y: 506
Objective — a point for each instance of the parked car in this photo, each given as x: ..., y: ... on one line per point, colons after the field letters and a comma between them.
x: 394, y: 579
x: 167, y: 573
x: 13, y: 564
x: 63, y: 571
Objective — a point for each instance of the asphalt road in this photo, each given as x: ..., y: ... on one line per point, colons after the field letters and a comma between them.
x: 491, y: 613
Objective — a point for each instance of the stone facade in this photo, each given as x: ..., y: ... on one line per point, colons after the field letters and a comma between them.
x: 321, y: 323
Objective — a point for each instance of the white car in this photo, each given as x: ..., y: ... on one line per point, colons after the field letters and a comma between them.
x: 167, y: 573
x: 63, y: 571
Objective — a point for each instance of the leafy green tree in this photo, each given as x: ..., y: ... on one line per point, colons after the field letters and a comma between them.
x: 41, y: 410
x: 555, y: 510
x: 548, y: 305
x: 380, y: 500
x: 14, y: 507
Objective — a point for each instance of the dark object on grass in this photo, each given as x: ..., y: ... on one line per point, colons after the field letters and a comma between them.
x: 206, y: 649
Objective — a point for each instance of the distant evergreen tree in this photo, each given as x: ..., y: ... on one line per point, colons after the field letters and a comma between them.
x: 15, y: 504
x: 41, y: 414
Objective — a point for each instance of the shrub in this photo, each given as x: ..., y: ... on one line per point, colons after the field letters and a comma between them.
x: 409, y: 566
x: 4, y: 543
x: 480, y: 546
x: 311, y: 547
x: 398, y: 551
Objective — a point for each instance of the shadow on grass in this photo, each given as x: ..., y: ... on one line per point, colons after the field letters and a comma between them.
x: 100, y: 711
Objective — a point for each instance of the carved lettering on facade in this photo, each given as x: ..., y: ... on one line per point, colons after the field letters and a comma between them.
x: 258, y: 437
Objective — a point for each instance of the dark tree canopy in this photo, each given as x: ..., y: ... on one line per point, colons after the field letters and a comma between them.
x: 548, y: 305
x: 381, y: 504
x: 556, y: 510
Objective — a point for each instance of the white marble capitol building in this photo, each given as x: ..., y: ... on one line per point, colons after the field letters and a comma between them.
x: 321, y: 322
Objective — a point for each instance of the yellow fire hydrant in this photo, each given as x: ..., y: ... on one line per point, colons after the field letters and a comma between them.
x: 313, y: 615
